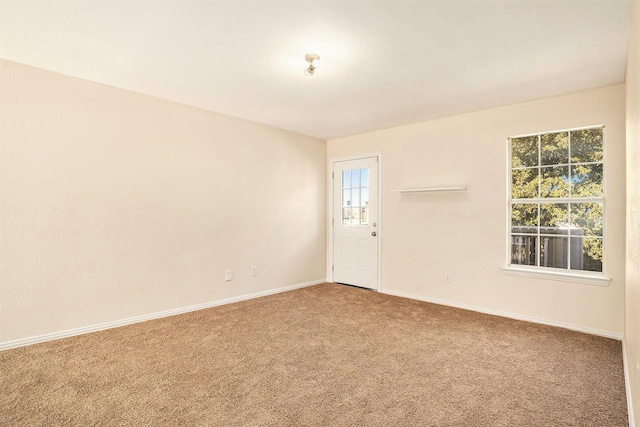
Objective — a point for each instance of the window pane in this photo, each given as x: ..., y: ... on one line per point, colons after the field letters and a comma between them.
x: 524, y: 183
x: 364, y: 215
x: 554, y: 218
x: 586, y: 180
x: 554, y: 182
x: 355, y: 216
x: 553, y: 252
x: 364, y: 177
x: 364, y: 196
x: 548, y: 232
x: 524, y: 218
x: 586, y: 254
x: 346, y: 216
x: 355, y: 178
x: 523, y: 250
x: 554, y: 148
x: 346, y: 179
x: 524, y: 151
x: 346, y: 197
x: 586, y: 145
x: 355, y: 197
x: 586, y: 219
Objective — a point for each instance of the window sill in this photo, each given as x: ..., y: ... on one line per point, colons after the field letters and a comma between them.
x: 563, y: 277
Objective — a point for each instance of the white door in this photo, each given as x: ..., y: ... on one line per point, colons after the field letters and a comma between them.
x: 355, y: 222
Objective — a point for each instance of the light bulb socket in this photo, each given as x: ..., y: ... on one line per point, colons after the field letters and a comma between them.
x: 314, y: 62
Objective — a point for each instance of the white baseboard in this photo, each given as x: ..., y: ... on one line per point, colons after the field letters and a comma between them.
x: 114, y: 324
x: 627, y: 382
x: 509, y: 315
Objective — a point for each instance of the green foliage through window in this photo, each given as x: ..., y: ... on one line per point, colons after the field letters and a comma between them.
x: 557, y: 204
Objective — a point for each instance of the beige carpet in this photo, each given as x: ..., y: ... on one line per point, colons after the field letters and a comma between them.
x: 328, y: 355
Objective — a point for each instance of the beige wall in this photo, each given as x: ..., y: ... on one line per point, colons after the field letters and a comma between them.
x: 632, y: 306
x: 115, y: 205
x: 425, y: 236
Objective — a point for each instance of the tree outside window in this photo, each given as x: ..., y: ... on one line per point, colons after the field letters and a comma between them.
x: 556, y: 200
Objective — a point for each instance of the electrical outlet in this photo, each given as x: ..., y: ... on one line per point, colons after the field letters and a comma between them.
x: 254, y: 271
x: 228, y: 275
x: 447, y: 278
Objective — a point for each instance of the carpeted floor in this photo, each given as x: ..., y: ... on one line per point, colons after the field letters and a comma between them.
x: 327, y: 355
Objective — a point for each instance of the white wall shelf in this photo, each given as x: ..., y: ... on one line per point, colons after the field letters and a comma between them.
x: 429, y: 190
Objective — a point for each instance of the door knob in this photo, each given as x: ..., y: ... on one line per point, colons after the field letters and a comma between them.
x: 374, y: 234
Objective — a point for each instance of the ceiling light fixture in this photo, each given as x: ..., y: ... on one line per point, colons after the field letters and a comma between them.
x: 314, y: 62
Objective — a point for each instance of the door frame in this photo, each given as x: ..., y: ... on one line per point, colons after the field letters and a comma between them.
x: 331, y: 220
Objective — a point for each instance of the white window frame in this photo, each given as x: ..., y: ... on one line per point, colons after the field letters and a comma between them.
x: 551, y: 273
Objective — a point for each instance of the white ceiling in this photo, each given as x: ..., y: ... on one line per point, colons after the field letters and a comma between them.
x: 383, y: 63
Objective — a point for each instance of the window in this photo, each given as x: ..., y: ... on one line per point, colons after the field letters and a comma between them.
x: 355, y: 197
x: 556, y: 200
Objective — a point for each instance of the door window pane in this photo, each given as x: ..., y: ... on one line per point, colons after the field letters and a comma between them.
x: 364, y: 177
x: 355, y: 178
x: 355, y: 216
x: 355, y: 197
x: 364, y: 193
x: 346, y: 197
x: 346, y: 216
x: 364, y: 215
x: 346, y: 179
